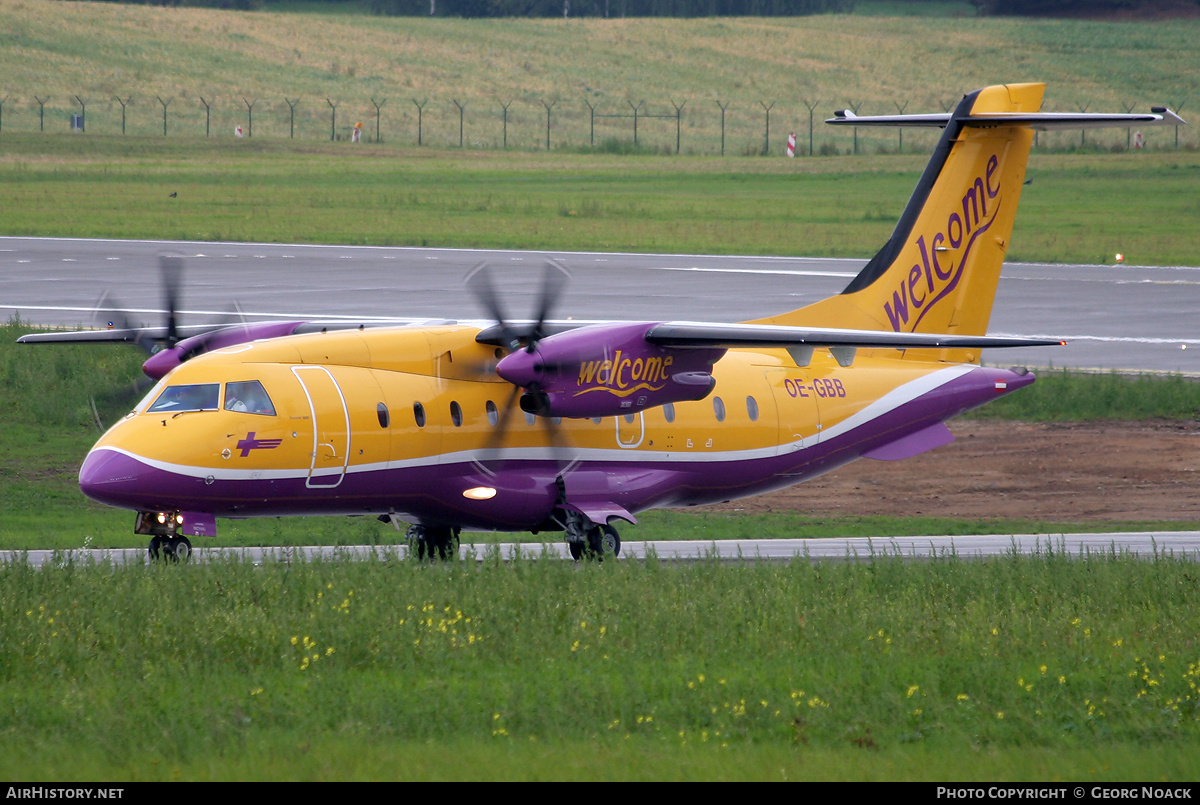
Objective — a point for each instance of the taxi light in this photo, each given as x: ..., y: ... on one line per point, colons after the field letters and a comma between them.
x: 179, y: 519
x: 480, y: 493
x: 162, y: 518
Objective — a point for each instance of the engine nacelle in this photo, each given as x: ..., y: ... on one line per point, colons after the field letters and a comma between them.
x: 163, y: 361
x: 607, y: 370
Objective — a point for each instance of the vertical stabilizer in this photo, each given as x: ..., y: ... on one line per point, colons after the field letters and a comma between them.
x: 938, y: 271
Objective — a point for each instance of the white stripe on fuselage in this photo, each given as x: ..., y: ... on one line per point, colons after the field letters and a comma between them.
x: 889, y: 402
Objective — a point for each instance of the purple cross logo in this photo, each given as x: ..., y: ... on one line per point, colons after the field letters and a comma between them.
x: 250, y: 443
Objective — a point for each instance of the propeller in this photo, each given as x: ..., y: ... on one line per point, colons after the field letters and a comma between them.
x: 151, y: 340
x: 523, y: 337
x: 554, y: 280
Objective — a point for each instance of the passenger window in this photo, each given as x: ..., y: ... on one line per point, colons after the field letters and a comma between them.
x: 669, y: 412
x: 752, y: 408
x: 419, y: 414
x: 456, y: 414
x: 248, y: 397
x: 492, y: 414
x: 719, y: 408
x: 382, y: 412
x: 195, y: 397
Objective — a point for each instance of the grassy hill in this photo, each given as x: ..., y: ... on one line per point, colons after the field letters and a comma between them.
x: 245, y: 64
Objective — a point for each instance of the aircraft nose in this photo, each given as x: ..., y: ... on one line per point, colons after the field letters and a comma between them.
x: 110, y: 477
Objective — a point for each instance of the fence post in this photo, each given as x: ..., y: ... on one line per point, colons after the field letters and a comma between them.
x: 292, y: 119
x: 723, y: 108
x: 378, y: 115
x: 592, y: 123
x: 635, y: 117
x: 82, y: 113
x: 548, y: 106
x: 1083, y: 132
x: 333, y: 119
x: 1129, y: 129
x: 165, y: 104
x: 900, y: 129
x: 420, y: 109
x: 811, y: 108
x: 767, y: 135
x: 123, y: 103
x: 461, y: 108
x: 1178, y: 108
x: 207, y: 117
x: 250, y: 112
x: 41, y: 111
x: 678, y: 115
x: 854, y: 108
x: 505, y: 106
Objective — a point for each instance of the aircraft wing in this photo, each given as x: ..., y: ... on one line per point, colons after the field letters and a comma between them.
x: 704, y: 335
x: 132, y: 335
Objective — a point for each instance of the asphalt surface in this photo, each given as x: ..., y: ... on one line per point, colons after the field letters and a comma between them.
x: 1179, y: 545
x: 1114, y: 317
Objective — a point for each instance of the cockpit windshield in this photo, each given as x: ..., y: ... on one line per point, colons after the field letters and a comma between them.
x: 193, y: 397
x: 248, y: 396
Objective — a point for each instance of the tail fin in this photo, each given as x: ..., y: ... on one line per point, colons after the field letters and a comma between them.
x: 938, y: 272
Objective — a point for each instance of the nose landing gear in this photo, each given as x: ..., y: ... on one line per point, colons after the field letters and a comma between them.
x: 170, y: 549
x: 166, y: 544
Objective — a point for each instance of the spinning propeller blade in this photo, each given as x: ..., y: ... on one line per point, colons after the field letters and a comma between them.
x: 513, y: 338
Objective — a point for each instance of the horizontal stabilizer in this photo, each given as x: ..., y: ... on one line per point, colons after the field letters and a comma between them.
x: 1045, y: 121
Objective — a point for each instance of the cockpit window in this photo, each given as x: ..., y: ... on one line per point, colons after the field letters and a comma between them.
x: 248, y: 396
x: 195, y: 397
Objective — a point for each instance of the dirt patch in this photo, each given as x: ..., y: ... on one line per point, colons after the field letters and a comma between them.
x: 1067, y: 472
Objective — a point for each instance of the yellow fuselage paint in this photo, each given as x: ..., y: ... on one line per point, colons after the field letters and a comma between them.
x: 350, y: 399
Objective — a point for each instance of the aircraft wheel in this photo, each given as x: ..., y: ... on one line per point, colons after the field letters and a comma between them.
x: 576, y: 549
x: 602, y: 540
x: 437, y: 543
x: 156, y: 548
x: 611, y: 540
x: 178, y: 549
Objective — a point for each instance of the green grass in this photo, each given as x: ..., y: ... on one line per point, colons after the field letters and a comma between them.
x: 282, y: 191
x: 1063, y: 396
x: 545, y: 670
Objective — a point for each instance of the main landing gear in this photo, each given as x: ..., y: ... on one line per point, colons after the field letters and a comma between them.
x: 586, y: 540
x: 434, y: 542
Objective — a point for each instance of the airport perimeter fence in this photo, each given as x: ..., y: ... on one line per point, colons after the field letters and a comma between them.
x: 683, y: 125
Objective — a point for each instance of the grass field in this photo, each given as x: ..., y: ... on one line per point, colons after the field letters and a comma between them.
x: 545, y: 670
x: 286, y: 191
x: 83, y: 56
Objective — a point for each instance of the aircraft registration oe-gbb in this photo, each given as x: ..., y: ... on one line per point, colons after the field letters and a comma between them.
x: 543, y: 425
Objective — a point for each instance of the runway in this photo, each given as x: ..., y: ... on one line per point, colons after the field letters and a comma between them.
x: 1123, y: 317
x: 1179, y: 545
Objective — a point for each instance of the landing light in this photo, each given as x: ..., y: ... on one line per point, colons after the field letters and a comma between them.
x: 480, y: 493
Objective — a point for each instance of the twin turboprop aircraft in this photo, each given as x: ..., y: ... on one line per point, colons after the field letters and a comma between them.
x: 549, y: 425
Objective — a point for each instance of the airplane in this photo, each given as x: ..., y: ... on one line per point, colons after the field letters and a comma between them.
x: 545, y: 425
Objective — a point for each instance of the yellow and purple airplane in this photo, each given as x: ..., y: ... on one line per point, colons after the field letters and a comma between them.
x: 543, y: 425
